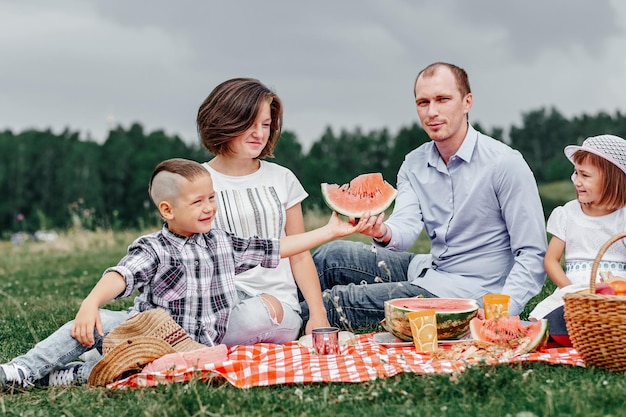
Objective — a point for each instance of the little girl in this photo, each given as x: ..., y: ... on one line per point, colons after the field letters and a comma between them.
x: 582, y: 226
x: 240, y: 122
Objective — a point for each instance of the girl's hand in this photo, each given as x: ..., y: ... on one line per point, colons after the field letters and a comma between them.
x: 315, y: 322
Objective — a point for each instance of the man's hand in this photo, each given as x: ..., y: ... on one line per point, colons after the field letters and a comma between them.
x: 374, y: 227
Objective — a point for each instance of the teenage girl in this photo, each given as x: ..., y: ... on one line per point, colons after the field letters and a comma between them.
x: 240, y: 122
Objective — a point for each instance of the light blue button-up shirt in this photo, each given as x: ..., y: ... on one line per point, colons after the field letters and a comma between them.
x: 483, y: 216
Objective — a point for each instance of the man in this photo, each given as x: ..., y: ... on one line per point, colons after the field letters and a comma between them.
x: 478, y: 202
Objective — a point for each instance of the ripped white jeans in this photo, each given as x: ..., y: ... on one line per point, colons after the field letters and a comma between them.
x: 253, y: 320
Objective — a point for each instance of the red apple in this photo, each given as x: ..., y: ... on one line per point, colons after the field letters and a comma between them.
x: 603, y: 288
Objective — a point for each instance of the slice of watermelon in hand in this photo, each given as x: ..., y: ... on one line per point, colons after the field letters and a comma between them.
x: 365, y: 193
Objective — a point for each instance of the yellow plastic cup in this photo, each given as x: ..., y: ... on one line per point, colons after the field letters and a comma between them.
x: 496, y: 306
x: 424, y: 329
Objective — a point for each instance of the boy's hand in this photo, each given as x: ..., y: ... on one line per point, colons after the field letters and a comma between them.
x: 343, y: 228
x: 86, y: 320
x: 374, y: 225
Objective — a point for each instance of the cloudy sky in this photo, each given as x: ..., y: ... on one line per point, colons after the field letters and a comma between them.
x: 91, y: 64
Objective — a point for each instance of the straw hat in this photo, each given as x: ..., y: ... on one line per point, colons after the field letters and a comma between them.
x: 612, y: 148
x: 137, y: 342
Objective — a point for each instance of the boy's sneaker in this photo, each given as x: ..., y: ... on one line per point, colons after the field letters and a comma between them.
x: 13, y: 376
x: 62, y: 376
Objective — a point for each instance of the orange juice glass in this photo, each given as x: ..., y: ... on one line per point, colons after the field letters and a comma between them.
x: 424, y: 329
x: 496, y: 306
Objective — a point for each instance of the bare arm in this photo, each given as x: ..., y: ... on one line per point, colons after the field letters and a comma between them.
x: 110, y: 286
x: 334, y: 229
x: 305, y: 274
x: 552, y: 262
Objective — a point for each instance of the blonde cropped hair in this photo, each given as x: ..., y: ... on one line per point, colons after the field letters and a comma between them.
x: 459, y: 74
x: 166, y: 178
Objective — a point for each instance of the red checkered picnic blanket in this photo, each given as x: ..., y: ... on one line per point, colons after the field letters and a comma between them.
x: 266, y: 364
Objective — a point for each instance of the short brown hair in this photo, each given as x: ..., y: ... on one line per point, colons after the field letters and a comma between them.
x: 613, y: 179
x: 167, y: 186
x: 230, y: 110
x: 462, y: 80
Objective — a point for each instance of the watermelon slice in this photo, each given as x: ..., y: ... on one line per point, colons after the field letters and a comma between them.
x: 367, y: 192
x: 453, y: 316
x: 511, y: 332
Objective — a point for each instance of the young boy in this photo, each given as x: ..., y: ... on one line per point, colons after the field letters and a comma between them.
x: 186, y: 268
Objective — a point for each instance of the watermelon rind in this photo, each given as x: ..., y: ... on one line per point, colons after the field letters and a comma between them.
x: 536, y: 330
x: 362, y: 200
x: 451, y: 324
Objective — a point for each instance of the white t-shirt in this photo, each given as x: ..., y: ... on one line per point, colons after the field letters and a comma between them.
x: 256, y: 205
x: 584, y: 236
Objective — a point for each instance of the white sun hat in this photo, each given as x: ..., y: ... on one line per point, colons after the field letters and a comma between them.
x: 610, y: 147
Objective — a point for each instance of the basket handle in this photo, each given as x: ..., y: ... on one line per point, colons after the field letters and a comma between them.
x: 596, y: 261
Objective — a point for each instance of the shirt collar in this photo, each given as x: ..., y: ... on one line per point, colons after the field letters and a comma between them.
x: 466, y: 149
x: 464, y: 152
x: 179, y: 241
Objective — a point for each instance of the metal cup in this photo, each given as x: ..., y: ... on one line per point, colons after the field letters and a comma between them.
x: 326, y: 340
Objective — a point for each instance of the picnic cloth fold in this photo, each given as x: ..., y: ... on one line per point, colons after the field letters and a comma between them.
x: 267, y: 364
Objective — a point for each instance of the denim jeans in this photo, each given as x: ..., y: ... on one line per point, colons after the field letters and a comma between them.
x: 60, y: 348
x: 357, y: 279
x: 556, y: 321
x: 250, y: 322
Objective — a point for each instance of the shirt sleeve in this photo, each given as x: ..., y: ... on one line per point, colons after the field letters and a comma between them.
x: 296, y: 192
x: 137, y: 267
x: 557, y: 223
x: 405, y: 223
x: 254, y: 251
x: 523, y: 213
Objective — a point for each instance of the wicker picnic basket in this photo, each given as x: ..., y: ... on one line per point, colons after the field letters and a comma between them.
x: 596, y: 323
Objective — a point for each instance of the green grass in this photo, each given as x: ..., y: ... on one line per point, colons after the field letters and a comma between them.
x: 42, y: 285
x: 558, y: 190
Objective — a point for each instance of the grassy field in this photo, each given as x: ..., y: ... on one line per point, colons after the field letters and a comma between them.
x: 42, y: 285
x: 558, y: 190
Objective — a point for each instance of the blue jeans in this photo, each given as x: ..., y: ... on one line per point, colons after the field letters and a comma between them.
x: 355, y: 281
x: 556, y: 321
x: 250, y: 322
x: 60, y: 348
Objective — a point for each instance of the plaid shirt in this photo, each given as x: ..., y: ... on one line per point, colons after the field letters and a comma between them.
x: 192, y: 278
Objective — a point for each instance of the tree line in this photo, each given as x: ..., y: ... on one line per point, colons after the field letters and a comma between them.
x: 57, y: 181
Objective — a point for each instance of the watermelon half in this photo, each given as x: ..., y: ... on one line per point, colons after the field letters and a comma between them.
x: 453, y: 316
x: 367, y: 192
x: 511, y: 332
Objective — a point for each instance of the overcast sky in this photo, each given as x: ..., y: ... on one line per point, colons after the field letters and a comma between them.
x: 91, y: 64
